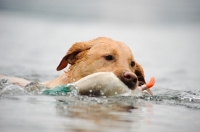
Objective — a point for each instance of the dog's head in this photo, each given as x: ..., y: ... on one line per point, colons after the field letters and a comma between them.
x: 103, y: 55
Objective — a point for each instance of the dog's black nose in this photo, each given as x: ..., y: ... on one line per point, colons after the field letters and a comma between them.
x: 130, y: 79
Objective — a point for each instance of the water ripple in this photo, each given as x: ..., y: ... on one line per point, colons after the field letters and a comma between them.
x: 190, y: 99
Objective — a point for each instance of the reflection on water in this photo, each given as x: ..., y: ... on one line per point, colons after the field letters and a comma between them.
x: 101, y: 114
x: 89, y: 114
x: 72, y: 112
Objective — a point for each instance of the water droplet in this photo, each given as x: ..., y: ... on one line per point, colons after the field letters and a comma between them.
x: 102, y: 93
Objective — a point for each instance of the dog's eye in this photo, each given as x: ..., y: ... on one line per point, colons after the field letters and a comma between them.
x: 109, y: 57
x: 132, y: 64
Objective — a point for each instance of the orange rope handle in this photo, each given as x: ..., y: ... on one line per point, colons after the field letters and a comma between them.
x: 148, y: 86
x: 151, y: 83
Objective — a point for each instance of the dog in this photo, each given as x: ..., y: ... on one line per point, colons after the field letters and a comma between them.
x: 98, y: 55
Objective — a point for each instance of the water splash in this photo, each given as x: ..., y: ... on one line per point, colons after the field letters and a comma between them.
x: 74, y: 90
x: 34, y: 88
x: 8, y: 88
x: 190, y: 99
x: 191, y: 96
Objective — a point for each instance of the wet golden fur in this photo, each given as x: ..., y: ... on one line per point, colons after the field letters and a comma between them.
x: 89, y: 57
x: 85, y: 58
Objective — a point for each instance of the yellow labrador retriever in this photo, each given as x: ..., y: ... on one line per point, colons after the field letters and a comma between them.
x: 98, y: 55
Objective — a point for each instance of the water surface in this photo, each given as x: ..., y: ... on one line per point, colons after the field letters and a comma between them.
x: 164, y: 38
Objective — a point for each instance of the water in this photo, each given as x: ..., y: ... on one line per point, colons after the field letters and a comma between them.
x: 163, y: 112
x: 164, y: 37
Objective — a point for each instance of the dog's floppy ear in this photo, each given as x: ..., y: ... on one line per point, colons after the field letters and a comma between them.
x: 70, y: 57
x: 140, y: 74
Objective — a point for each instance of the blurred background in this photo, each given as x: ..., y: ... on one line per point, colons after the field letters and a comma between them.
x: 163, y: 35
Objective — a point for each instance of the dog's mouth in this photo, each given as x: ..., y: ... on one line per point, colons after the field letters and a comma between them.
x: 141, y: 83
